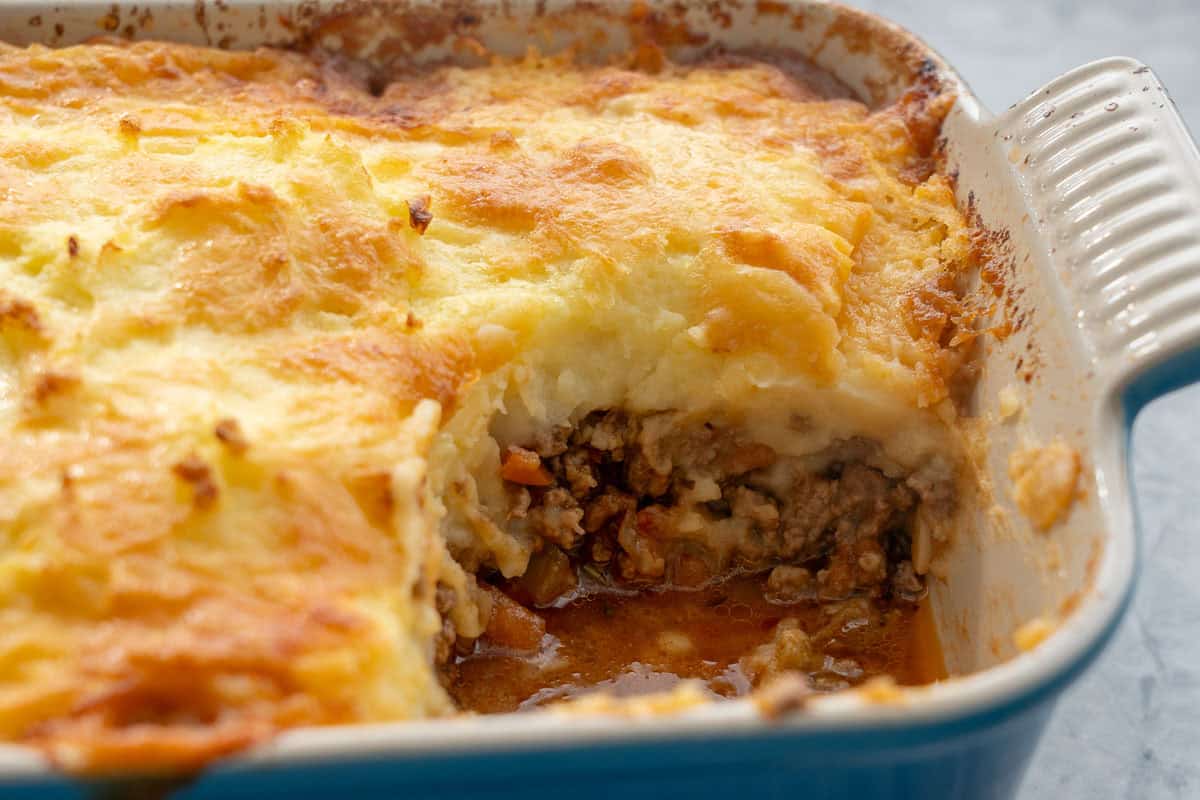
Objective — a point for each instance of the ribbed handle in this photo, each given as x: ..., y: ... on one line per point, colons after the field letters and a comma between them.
x: 1110, y: 171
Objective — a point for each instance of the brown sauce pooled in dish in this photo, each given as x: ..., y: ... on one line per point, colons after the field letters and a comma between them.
x: 635, y: 643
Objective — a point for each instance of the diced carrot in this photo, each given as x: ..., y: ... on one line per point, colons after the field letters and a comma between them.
x: 512, y: 625
x: 524, y: 467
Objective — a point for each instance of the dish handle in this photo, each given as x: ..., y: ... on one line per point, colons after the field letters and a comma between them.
x: 1107, y: 165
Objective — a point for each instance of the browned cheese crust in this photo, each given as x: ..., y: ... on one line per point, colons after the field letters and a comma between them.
x: 240, y: 295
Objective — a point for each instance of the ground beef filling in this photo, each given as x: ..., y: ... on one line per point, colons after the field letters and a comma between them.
x: 735, y: 565
x: 648, y: 501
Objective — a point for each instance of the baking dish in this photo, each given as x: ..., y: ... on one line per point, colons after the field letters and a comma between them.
x: 1087, y: 191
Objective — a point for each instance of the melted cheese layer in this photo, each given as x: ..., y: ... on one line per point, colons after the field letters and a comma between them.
x: 250, y: 388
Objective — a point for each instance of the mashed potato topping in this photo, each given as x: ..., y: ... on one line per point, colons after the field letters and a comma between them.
x: 265, y: 334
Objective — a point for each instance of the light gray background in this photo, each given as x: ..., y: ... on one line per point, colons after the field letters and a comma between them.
x: 1130, y: 728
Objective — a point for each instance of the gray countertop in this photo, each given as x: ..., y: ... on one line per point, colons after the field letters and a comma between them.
x: 1130, y: 727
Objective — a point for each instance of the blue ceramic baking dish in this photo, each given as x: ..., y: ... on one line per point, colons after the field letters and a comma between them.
x: 1090, y: 189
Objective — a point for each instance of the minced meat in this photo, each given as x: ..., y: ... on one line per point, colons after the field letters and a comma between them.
x: 649, y: 499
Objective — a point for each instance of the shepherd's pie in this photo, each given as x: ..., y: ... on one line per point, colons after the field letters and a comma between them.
x: 315, y: 382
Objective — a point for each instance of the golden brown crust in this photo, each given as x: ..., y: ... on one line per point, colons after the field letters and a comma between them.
x: 230, y: 319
